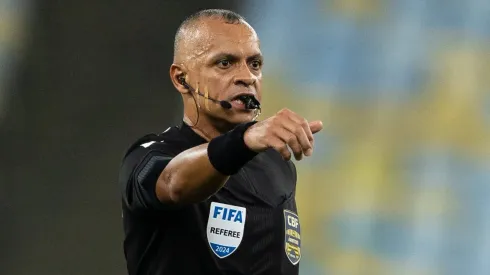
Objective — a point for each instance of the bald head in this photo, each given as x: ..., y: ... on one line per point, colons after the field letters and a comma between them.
x: 193, y: 34
x: 218, y: 54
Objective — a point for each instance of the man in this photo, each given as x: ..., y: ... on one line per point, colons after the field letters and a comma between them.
x: 216, y: 195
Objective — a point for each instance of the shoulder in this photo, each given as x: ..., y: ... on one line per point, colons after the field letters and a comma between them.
x: 142, y: 164
x: 151, y: 150
x: 168, y: 142
x: 152, y: 147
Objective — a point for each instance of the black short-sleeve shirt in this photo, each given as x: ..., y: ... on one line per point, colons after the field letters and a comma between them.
x: 250, y: 226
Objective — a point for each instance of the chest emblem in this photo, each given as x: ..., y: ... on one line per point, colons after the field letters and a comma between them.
x: 292, y: 241
x: 225, y: 228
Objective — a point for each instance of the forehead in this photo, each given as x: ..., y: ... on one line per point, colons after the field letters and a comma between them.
x: 232, y: 38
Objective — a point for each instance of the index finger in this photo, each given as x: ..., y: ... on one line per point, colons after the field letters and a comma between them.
x: 316, y: 126
x: 304, y: 123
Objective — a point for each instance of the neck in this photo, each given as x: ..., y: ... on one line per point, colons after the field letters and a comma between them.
x: 207, y: 127
x: 202, y: 129
x: 204, y: 125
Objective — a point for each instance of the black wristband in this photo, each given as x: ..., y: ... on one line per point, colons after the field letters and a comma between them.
x: 228, y: 152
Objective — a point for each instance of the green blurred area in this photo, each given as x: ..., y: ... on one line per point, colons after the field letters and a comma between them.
x: 399, y: 180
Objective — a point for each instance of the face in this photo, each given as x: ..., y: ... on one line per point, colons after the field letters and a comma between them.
x: 226, y: 63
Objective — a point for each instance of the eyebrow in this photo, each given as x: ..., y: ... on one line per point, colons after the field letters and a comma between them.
x: 234, y: 57
x: 255, y: 57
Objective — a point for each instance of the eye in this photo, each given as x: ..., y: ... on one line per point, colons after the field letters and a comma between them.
x: 256, y: 64
x: 224, y: 64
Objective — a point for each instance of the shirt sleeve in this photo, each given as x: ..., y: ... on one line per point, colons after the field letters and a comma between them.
x: 139, y: 174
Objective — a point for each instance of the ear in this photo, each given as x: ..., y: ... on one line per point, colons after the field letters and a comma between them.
x: 176, y: 74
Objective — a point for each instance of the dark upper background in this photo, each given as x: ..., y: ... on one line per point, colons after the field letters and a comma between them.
x: 92, y: 77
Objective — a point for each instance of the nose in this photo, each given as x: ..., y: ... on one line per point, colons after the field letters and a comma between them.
x: 244, y: 76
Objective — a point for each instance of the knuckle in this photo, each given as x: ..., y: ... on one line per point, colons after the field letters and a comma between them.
x: 285, y: 112
x: 296, y: 147
x: 304, y: 122
x: 284, y: 148
x: 298, y: 131
x: 275, y: 120
x: 274, y: 132
x: 279, y: 146
x: 291, y: 139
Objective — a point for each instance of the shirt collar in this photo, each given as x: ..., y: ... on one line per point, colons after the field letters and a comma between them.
x: 190, y: 135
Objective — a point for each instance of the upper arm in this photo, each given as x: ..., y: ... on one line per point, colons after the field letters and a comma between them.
x: 139, y: 174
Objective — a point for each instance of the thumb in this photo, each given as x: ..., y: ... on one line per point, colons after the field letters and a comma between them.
x: 316, y: 126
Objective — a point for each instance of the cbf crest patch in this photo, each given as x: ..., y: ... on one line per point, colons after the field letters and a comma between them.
x: 226, y: 224
x: 292, y: 242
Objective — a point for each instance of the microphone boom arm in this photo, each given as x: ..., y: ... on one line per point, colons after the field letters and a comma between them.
x: 250, y: 102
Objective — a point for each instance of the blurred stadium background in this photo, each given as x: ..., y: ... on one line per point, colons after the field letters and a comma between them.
x: 400, y: 180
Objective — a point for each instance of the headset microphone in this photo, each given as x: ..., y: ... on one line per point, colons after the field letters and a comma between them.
x: 249, y: 101
x: 224, y: 104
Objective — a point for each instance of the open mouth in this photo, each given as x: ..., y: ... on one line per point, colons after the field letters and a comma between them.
x: 245, y: 101
x: 238, y: 100
x: 242, y: 98
x: 241, y: 101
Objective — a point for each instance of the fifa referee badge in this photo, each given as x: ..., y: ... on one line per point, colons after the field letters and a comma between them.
x: 225, y: 228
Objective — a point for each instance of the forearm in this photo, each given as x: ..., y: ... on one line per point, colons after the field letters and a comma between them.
x: 189, y: 177
x: 199, y: 172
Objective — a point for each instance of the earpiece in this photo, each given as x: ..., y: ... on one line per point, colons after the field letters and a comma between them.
x: 182, y: 79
